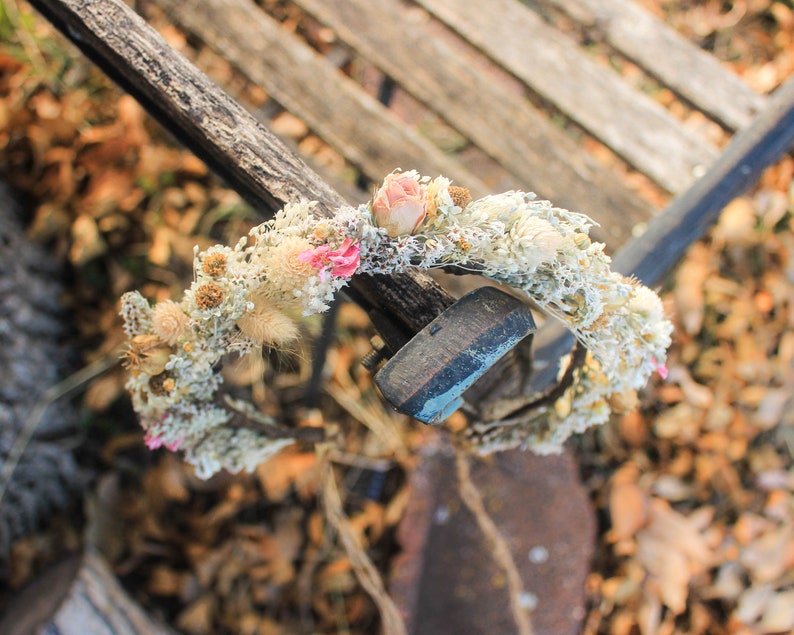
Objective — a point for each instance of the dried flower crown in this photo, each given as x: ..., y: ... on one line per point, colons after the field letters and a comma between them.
x: 237, y: 300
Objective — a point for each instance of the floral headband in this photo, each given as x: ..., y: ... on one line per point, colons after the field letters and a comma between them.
x: 238, y: 299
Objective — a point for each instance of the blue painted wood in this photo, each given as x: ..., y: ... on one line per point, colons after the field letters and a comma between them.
x: 427, y: 376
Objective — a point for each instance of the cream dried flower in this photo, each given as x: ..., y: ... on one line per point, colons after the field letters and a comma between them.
x: 267, y: 324
x: 534, y: 241
x: 169, y: 321
x: 283, y: 268
x: 646, y: 303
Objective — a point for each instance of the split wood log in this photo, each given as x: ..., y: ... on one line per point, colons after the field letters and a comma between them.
x: 662, y: 52
x: 79, y: 596
x: 335, y: 108
x: 629, y: 122
x: 689, y: 216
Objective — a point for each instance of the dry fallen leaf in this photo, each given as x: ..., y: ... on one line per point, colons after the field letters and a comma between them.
x: 628, y: 504
x: 770, y: 555
x: 87, y: 243
x: 280, y: 474
x: 671, y: 549
x: 688, y: 290
x: 778, y: 616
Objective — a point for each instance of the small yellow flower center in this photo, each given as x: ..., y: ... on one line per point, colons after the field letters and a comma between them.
x: 214, y: 264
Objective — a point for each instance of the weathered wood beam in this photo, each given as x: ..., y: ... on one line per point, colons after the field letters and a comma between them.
x: 80, y: 595
x: 688, y: 217
x: 501, y: 123
x: 222, y: 133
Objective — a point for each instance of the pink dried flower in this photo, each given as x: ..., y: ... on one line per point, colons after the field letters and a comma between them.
x: 345, y: 259
x: 660, y: 368
x: 156, y: 441
x: 342, y: 261
x: 400, y: 205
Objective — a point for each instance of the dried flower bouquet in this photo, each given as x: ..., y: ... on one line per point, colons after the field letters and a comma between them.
x: 239, y: 298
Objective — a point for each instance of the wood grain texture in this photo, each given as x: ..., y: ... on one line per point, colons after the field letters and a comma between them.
x: 309, y: 86
x: 79, y: 596
x: 634, y: 126
x: 503, y: 124
x: 427, y: 376
x: 665, y: 54
x: 220, y: 131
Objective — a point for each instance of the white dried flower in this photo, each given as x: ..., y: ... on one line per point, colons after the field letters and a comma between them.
x: 136, y: 313
x: 533, y: 241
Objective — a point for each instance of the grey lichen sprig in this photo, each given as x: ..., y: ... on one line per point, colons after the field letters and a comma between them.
x: 240, y: 298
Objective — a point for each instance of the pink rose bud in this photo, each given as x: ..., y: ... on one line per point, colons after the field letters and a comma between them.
x: 400, y: 205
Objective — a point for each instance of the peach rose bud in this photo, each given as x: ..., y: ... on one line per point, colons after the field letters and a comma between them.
x: 400, y: 205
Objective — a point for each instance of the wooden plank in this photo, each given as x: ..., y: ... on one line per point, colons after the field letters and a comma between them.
x: 335, y: 107
x: 634, y: 126
x: 503, y: 124
x: 692, y: 73
x: 251, y: 159
x: 427, y: 377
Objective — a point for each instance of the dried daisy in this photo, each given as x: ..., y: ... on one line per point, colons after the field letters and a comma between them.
x: 214, y: 264
x: 461, y: 197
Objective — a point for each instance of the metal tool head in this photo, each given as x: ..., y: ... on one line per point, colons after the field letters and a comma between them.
x: 427, y: 377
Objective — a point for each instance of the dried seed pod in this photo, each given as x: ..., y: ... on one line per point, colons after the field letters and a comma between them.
x: 267, y: 324
x: 162, y: 384
x: 147, y: 354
